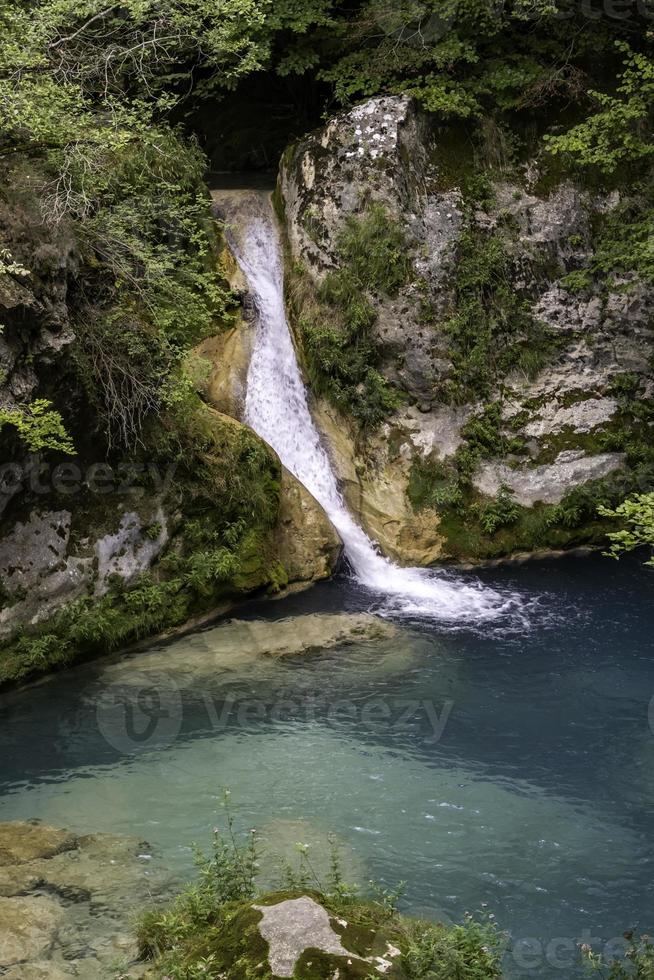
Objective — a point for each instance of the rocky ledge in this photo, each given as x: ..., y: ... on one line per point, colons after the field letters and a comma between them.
x: 68, y: 902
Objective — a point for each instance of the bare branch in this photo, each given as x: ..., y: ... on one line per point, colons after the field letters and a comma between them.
x: 71, y: 37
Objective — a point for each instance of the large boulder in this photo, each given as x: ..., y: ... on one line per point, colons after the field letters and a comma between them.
x: 597, y: 329
x: 307, y: 544
x: 377, y: 153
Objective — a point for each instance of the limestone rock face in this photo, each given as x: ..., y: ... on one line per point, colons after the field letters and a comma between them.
x: 547, y: 484
x: 43, y: 569
x: 385, y: 151
x: 377, y: 153
x: 219, y: 366
x: 307, y: 543
x: 375, y: 487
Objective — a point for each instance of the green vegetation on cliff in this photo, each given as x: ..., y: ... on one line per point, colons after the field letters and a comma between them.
x: 106, y: 231
x: 336, y: 328
x: 636, y: 515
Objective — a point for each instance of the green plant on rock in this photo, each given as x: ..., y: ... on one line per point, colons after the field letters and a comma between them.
x: 472, y: 951
x: 39, y: 426
x: 342, y: 356
x: 636, y: 964
x: 636, y: 514
x: 619, y: 133
x: 373, y: 249
x: 491, y: 330
x: 624, y: 252
x: 501, y: 512
x: 9, y: 266
x: 212, y: 930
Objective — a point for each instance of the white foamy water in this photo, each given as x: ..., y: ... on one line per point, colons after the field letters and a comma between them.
x: 276, y: 407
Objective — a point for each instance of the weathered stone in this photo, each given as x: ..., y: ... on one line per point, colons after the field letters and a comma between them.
x: 564, y: 312
x: 28, y: 928
x: 307, y: 545
x: 21, y: 842
x: 322, y: 179
x: 549, y: 483
x: 130, y: 550
x: 293, y: 926
x: 581, y: 416
x: 41, y: 570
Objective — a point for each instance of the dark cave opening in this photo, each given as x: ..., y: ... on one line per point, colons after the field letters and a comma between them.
x: 246, y: 131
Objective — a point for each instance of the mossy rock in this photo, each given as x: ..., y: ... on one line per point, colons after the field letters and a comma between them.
x: 289, y: 935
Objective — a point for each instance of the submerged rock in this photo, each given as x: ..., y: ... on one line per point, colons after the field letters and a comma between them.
x: 22, y: 842
x: 28, y: 928
x: 53, y: 884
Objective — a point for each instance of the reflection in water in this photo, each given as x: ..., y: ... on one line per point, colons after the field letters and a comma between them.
x: 503, y: 769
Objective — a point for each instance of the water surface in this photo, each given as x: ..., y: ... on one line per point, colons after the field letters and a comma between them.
x: 500, y: 766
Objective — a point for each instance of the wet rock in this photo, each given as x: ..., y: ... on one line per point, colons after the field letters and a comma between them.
x: 307, y: 544
x: 38, y: 971
x: 375, y: 484
x: 28, y: 928
x: 53, y: 887
x: 22, y: 842
x: 303, y: 634
x: 219, y: 367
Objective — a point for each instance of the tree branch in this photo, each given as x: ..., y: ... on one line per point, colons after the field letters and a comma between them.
x: 71, y: 37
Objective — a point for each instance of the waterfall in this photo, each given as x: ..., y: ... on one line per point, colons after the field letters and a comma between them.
x: 277, y: 408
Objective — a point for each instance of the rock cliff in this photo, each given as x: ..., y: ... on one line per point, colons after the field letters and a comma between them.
x: 517, y: 373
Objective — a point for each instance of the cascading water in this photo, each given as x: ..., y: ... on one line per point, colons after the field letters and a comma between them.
x: 276, y: 408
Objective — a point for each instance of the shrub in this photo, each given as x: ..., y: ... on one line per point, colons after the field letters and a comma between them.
x: 491, y: 331
x: 501, y: 512
x: 341, y: 352
x: 636, y: 515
